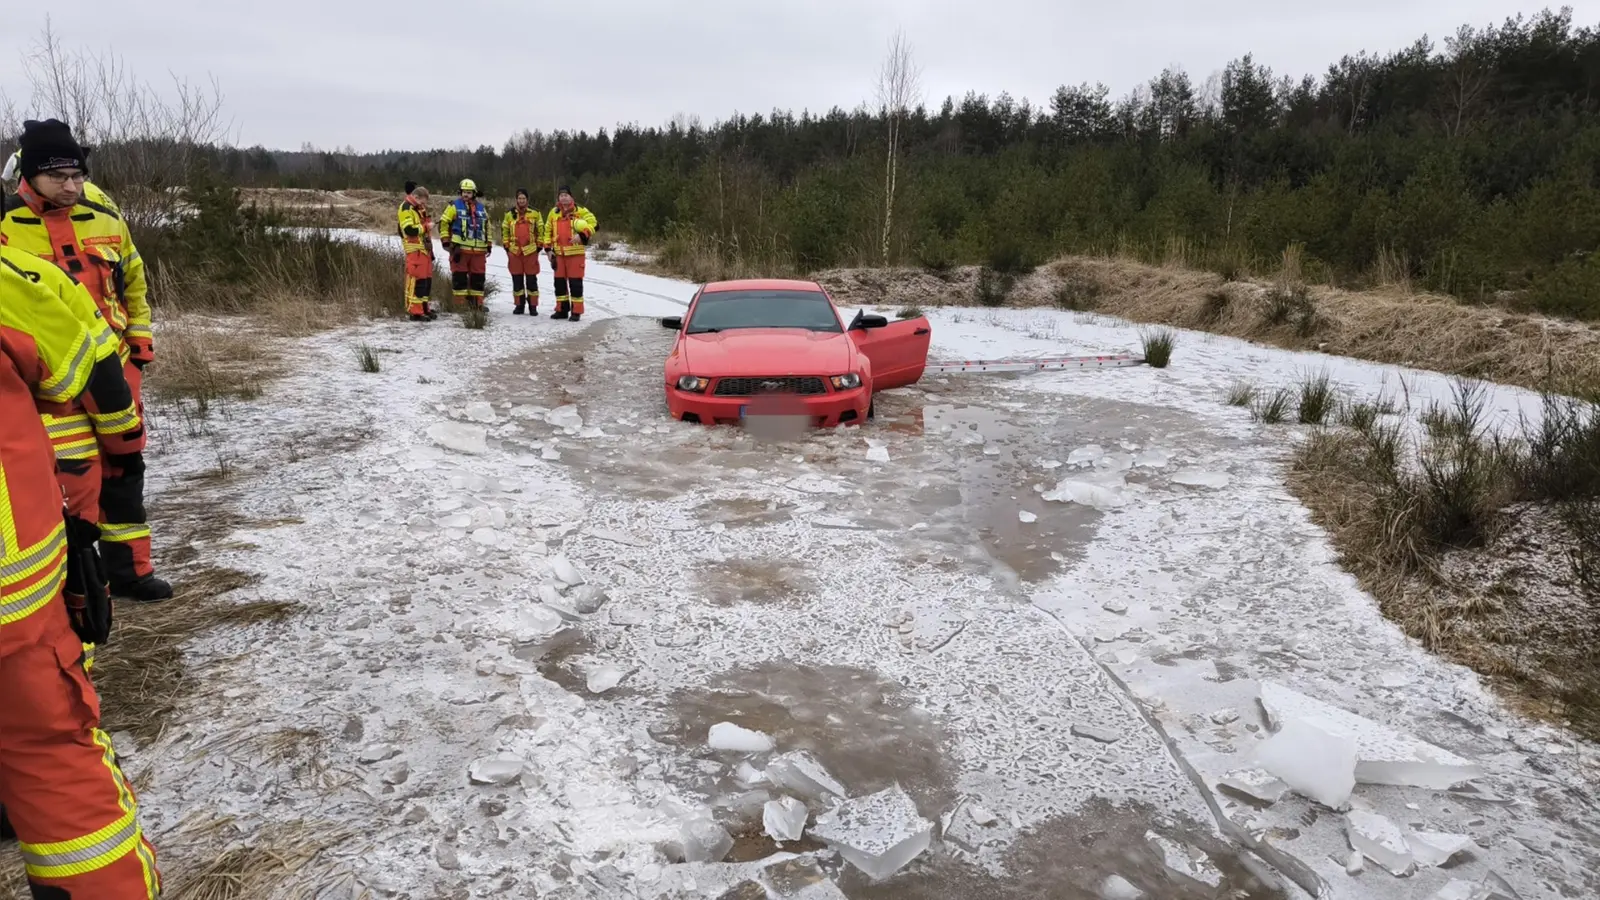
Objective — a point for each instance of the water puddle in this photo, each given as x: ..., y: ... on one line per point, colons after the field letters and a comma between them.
x: 862, y: 728
x: 752, y: 581
x: 1072, y: 858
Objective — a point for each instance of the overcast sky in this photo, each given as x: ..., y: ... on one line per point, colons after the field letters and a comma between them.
x: 413, y: 74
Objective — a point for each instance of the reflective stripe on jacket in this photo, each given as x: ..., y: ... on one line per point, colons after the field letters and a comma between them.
x: 565, y: 231
x: 468, y: 227
x: 90, y: 242
x: 523, y: 233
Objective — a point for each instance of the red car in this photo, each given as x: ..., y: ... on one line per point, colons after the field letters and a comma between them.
x: 777, y: 347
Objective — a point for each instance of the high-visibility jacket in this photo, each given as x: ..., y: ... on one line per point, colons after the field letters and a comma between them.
x: 46, y: 356
x: 96, y: 419
x: 522, y: 233
x: 414, y: 223
x: 565, y: 231
x: 91, y: 243
x: 467, y: 227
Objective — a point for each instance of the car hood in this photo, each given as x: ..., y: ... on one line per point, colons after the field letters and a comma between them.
x: 769, y: 351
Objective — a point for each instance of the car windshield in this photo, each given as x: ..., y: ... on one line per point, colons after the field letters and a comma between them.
x: 726, y: 310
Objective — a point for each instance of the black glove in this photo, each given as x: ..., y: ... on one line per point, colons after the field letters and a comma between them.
x: 139, y: 363
x: 88, y: 600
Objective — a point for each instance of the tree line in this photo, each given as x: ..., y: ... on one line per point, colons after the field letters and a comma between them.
x: 1466, y: 166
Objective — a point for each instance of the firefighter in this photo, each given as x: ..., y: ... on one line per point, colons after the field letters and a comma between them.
x: 522, y: 234
x: 567, y: 234
x: 416, y: 239
x: 66, y: 799
x: 464, y: 231
x: 89, y: 240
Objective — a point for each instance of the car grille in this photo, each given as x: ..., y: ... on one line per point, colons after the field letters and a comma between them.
x: 748, y: 387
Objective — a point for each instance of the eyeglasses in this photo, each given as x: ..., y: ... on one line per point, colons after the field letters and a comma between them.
x: 63, y: 178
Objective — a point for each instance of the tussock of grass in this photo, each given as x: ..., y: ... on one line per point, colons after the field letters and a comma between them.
x: 1241, y: 393
x: 475, y: 317
x: 1272, y: 407
x: 367, y: 358
x: 909, y: 312
x: 1212, y: 307
x: 1317, y: 399
x: 1158, y: 346
x: 1359, y: 415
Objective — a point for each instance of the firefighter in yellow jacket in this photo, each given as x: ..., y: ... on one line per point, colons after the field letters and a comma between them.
x: 464, y: 232
x: 522, y: 234
x: 89, y: 240
x: 72, y: 810
x: 416, y: 240
x: 568, y: 231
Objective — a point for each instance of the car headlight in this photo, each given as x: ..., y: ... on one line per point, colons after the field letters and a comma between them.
x: 846, y: 382
x: 692, y: 383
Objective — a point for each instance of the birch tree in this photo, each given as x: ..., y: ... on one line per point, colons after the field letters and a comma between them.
x: 899, y: 90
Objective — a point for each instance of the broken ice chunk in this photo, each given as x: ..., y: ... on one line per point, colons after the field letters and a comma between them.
x: 1086, y: 455
x: 378, y: 753
x: 1433, y: 848
x: 498, y: 770
x: 550, y: 454
x: 1255, y: 784
x: 565, y: 571
x: 1086, y: 493
x: 459, y: 437
x: 1185, y: 863
x: 877, y: 452
x: 479, y: 411
x: 604, y: 678
x: 1225, y: 716
x: 981, y: 815
x: 1383, y: 755
x: 537, y: 622
x: 1096, y: 733
x: 1115, y: 607
x: 1312, y: 758
x: 1199, y: 478
x: 1379, y: 840
x: 800, y: 772
x: 1026, y: 518
x: 784, y: 819
x: 1115, y: 887
x: 730, y: 737
x: 565, y: 417
x: 587, y: 598
x: 1459, y: 890
x: 880, y: 834
x: 704, y: 841
x: 1152, y: 459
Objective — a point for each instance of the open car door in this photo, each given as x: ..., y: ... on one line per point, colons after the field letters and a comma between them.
x: 898, y: 349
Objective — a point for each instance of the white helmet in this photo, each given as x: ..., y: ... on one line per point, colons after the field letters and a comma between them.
x: 9, y: 174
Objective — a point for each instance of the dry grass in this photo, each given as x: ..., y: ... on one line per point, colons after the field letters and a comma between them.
x: 142, y: 674
x: 276, y: 862
x: 1475, y: 544
x: 1387, y: 324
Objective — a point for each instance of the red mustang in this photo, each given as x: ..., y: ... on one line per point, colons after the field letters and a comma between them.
x: 774, y: 347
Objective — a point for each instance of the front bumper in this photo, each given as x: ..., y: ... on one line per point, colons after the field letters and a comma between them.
x: 824, y: 410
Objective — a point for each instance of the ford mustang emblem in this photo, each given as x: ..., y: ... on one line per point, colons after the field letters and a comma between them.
x: 771, y: 385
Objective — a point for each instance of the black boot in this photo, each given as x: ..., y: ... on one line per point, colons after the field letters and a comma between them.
x: 560, y: 313
x: 419, y: 317
x: 7, y: 833
x: 148, y: 589
x: 518, y: 310
x: 575, y: 316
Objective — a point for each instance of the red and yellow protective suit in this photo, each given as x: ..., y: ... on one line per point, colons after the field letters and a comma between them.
x: 522, y: 234
x: 63, y: 792
x: 464, y: 231
x: 91, y: 243
x: 568, y: 231
x: 417, y: 242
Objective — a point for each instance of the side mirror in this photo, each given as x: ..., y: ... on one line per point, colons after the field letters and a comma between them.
x: 675, y: 323
x: 865, y: 321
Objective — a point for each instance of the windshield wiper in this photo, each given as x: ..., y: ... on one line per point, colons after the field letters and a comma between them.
x: 704, y: 330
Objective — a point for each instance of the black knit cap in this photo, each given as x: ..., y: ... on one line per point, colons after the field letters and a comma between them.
x: 522, y: 192
x: 565, y: 189
x: 411, y: 186
x: 50, y: 145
